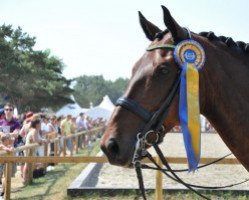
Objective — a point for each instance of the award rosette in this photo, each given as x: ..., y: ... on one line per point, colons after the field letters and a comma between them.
x: 190, y: 56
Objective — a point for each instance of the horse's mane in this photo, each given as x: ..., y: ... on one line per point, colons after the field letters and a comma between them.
x: 239, y: 45
x: 244, y: 47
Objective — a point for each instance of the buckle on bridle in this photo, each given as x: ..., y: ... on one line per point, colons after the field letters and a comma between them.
x: 151, y: 137
x: 154, y: 137
x: 140, y: 150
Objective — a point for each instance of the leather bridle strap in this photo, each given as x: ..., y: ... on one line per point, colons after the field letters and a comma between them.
x: 140, y: 179
x: 144, y: 166
x: 152, y: 120
x: 134, y: 107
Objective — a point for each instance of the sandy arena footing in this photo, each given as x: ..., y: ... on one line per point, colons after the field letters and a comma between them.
x: 110, y: 179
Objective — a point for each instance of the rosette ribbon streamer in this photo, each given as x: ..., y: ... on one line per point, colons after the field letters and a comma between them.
x: 190, y: 56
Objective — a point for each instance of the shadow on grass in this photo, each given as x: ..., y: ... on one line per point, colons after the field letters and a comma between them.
x: 169, y: 195
x: 110, y: 195
x: 50, y: 179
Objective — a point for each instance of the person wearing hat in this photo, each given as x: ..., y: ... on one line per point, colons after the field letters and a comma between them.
x: 26, y: 124
x: 28, y: 116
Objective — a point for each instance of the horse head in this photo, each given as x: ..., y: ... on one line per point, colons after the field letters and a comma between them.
x: 153, y: 77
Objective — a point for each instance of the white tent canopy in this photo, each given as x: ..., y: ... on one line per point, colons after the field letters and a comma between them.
x: 107, y: 103
x: 103, y: 110
x: 72, y: 109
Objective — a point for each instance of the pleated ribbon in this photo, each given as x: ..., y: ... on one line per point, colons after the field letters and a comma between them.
x: 190, y: 58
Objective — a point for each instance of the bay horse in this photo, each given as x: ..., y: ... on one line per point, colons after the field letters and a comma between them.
x: 223, y: 94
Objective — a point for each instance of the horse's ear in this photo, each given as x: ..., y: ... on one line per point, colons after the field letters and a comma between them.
x: 149, y: 29
x: 176, y: 30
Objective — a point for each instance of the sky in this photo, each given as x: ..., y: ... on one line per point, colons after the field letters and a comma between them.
x: 104, y: 37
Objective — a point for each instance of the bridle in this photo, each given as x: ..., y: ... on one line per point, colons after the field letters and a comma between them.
x: 153, y: 132
x: 154, y: 122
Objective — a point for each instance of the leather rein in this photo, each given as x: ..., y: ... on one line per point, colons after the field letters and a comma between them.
x: 152, y: 134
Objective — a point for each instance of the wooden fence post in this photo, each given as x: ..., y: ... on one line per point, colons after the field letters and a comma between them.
x: 64, y: 146
x: 56, y: 147
x: 159, y: 181
x: 8, y: 174
x: 45, y: 154
x: 85, y: 139
x: 30, y: 167
x: 76, y: 143
x: 46, y: 149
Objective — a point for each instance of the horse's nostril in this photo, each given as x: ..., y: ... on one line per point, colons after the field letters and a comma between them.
x: 112, y: 147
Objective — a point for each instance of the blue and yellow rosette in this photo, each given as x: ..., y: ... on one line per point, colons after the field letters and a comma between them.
x: 190, y: 56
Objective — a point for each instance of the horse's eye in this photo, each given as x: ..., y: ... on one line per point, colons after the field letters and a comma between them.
x: 164, y: 69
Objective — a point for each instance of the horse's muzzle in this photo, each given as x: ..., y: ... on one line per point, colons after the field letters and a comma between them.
x: 112, y: 150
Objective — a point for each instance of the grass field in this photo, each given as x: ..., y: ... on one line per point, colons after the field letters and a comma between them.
x: 54, y: 186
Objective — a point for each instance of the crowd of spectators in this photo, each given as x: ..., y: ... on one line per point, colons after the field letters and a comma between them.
x: 41, y: 128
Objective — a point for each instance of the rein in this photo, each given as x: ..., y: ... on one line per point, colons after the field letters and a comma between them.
x: 153, y: 132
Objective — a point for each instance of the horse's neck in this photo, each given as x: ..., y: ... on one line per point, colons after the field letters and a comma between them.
x: 225, y: 102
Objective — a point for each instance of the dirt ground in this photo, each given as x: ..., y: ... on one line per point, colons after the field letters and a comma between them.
x: 214, y: 175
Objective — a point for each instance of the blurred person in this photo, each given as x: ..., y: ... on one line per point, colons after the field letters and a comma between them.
x: 73, y: 125
x: 25, y: 129
x: 73, y: 130
x: 89, y: 123
x: 5, y: 145
x: 9, y: 125
x: 52, y: 132
x: 58, y: 122
x: 43, y: 132
x: 33, y: 136
x: 66, y: 128
x: 26, y: 124
x: 81, y: 123
x: 81, y: 126
x: 44, y: 125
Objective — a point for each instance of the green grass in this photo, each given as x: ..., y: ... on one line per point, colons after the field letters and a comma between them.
x: 54, y: 184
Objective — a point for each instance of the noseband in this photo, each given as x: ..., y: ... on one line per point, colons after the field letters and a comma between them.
x: 154, y: 121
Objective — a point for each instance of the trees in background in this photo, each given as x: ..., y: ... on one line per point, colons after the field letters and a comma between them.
x: 33, y: 80
x: 30, y: 79
x: 93, y: 88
